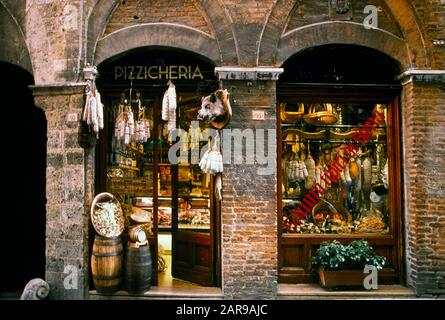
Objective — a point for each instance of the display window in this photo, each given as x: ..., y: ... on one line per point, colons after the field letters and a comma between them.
x: 339, y: 157
x: 327, y: 145
x: 132, y: 164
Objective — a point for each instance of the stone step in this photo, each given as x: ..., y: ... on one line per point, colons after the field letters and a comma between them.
x: 316, y: 292
x: 154, y: 293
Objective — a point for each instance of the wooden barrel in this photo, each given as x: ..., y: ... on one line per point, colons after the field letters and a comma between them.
x: 137, y: 234
x: 138, y: 269
x: 107, y: 264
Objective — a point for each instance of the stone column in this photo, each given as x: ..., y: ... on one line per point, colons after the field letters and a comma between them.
x: 423, y: 117
x: 249, y: 205
x: 68, y: 189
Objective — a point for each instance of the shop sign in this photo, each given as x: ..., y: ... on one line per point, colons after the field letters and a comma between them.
x: 158, y: 72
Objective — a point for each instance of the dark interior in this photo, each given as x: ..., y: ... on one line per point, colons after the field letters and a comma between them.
x: 24, y: 172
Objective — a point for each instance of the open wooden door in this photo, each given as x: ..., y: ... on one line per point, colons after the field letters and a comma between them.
x: 193, y: 237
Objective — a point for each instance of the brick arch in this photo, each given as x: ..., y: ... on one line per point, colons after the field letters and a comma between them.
x: 272, y: 31
x: 219, y: 18
x: 415, y: 50
x: 157, y: 34
x: 337, y: 32
x: 13, y: 48
x: 101, y: 13
x: 403, y: 13
x: 98, y: 18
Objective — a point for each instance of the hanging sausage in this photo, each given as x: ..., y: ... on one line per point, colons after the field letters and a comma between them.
x: 310, y: 165
x: 169, y: 106
x: 93, y: 113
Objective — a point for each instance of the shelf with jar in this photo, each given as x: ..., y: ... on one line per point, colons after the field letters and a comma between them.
x: 194, y: 213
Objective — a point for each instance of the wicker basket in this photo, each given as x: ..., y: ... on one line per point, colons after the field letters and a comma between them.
x: 306, y: 135
x: 291, y: 116
x: 324, y: 116
x: 107, y: 216
x: 341, y: 135
x: 323, y: 204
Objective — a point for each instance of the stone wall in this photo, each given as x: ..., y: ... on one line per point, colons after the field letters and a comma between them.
x: 133, y: 12
x: 66, y: 215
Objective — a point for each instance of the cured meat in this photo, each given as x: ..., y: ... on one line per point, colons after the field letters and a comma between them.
x: 100, y: 111
x: 367, y: 176
x: 385, y: 174
x: 358, y: 185
x: 318, y: 170
x: 169, y: 105
x: 358, y: 179
x: 347, y: 175
x: 354, y: 170
x: 310, y: 179
x: 305, y: 172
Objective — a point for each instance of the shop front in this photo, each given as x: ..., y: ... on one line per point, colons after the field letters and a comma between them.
x: 302, y: 77
x: 173, y: 202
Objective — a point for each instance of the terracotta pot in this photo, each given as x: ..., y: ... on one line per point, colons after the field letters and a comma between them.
x: 341, y: 278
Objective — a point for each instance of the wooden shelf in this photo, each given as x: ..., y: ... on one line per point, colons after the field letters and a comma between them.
x: 167, y: 164
x: 135, y: 151
x: 293, y: 198
x: 122, y: 166
x: 344, y: 126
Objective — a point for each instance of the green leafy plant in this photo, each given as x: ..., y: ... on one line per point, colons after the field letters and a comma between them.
x: 354, y: 256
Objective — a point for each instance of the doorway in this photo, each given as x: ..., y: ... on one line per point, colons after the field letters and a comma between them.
x: 177, y: 198
x: 24, y: 171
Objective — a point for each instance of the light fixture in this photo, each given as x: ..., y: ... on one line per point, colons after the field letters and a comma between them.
x: 439, y: 42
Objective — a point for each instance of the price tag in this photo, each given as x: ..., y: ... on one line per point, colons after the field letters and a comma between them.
x: 71, y: 117
x: 257, y: 115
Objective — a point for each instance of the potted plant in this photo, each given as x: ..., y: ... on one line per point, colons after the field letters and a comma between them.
x: 343, y: 265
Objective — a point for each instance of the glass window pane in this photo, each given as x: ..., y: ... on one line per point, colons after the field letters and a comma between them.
x: 194, y: 205
x: 334, y: 168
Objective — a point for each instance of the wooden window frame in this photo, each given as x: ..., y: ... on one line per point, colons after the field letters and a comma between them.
x: 295, y: 250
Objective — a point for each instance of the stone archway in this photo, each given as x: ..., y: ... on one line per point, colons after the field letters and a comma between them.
x: 157, y: 34
x: 274, y: 44
x: 215, y: 15
x: 340, y: 33
x: 13, y: 48
x: 24, y: 251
